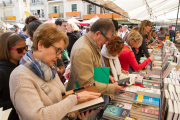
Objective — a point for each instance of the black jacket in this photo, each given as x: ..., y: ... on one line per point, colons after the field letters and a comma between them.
x: 73, y: 37
x: 142, y: 48
x: 6, y: 68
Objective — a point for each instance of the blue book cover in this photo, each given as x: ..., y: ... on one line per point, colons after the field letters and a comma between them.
x: 113, y: 110
x: 151, y: 100
x: 146, y: 99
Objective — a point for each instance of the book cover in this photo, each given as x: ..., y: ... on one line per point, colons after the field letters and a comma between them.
x: 123, y: 105
x: 124, y: 113
x: 113, y: 110
x: 147, y: 100
x: 149, y: 111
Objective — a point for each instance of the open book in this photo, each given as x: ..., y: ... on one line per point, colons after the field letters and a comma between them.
x: 91, y: 104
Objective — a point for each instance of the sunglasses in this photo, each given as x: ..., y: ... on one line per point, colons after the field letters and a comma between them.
x: 20, y: 50
x: 58, y: 51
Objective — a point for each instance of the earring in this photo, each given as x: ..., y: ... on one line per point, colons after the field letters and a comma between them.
x: 40, y: 50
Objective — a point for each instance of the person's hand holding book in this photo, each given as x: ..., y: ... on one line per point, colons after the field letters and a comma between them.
x: 84, y: 96
x: 117, y: 87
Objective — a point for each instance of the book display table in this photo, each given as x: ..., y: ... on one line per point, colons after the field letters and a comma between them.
x: 142, y: 100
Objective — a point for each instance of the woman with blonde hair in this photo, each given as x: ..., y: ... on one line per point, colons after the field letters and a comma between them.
x: 127, y: 57
x: 73, y: 37
x: 145, y: 28
x: 35, y: 88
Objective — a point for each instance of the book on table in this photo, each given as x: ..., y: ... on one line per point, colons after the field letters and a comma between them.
x: 116, y: 113
x: 142, y: 111
x: 146, y: 100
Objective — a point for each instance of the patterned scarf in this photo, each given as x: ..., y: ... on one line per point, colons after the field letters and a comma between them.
x: 41, y: 69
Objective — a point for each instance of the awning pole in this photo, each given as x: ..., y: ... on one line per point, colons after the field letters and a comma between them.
x: 176, y: 22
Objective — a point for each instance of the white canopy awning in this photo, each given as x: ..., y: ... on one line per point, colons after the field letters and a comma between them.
x: 154, y: 10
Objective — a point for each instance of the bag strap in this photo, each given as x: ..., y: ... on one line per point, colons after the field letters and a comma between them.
x: 44, y: 86
x: 47, y: 90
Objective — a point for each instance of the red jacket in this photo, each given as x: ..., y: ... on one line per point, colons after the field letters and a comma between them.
x: 127, y: 58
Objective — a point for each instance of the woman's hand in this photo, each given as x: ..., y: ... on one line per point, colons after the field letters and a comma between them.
x: 151, y: 57
x: 83, y: 116
x: 125, y: 72
x: 112, y: 79
x: 84, y: 96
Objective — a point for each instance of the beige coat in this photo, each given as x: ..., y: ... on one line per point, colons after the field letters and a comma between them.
x: 30, y: 100
x: 85, y: 55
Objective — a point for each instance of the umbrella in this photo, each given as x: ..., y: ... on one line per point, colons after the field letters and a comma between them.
x: 51, y: 20
x: 72, y: 20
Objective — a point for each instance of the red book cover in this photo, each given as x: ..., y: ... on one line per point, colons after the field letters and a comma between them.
x: 155, y: 112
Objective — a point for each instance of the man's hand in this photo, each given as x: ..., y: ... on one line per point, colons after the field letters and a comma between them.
x: 118, y: 88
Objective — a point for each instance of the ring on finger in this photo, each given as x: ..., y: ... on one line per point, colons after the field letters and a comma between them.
x: 91, y: 93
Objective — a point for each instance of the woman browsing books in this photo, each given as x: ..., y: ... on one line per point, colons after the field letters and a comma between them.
x: 110, y: 52
x: 127, y: 57
x: 35, y: 88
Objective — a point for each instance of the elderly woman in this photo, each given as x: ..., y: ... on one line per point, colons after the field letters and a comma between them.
x: 73, y: 37
x: 110, y: 54
x: 35, y: 88
x: 127, y: 57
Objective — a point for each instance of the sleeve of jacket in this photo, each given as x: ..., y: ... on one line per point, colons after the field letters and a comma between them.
x: 84, y: 72
x: 4, y: 104
x: 144, y: 48
x: 28, y: 103
x: 134, y: 64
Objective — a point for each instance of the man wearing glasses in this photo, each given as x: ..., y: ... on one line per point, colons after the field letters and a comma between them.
x: 85, y: 55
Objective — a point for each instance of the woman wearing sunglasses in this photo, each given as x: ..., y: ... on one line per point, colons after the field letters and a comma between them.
x: 35, y: 88
x: 12, y: 48
x: 110, y: 54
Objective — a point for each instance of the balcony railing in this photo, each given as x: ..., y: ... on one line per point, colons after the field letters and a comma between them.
x: 8, y: 18
x: 5, y: 4
x: 37, y: 3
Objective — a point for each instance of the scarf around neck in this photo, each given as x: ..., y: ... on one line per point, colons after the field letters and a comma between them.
x: 115, y: 67
x: 41, y: 69
x: 125, y: 43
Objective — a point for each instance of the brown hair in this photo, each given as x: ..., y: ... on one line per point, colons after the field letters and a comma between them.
x: 133, y: 35
x: 103, y: 25
x: 49, y: 34
x: 32, y: 23
x: 143, y: 24
x: 8, y: 40
x: 161, y: 29
x: 115, y: 44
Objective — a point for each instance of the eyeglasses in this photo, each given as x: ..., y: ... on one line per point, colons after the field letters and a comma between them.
x: 104, y: 35
x: 20, y: 50
x: 58, y: 51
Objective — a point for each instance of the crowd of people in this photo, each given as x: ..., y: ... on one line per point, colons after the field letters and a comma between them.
x: 32, y: 64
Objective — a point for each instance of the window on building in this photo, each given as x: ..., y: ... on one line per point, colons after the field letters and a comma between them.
x: 10, y: 1
x: 74, y: 7
x: 24, y: 0
x: 56, y: 9
x: 42, y: 13
x: 105, y: 11
x: 91, y: 9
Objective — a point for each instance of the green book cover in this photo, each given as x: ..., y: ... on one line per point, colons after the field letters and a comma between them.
x: 101, y: 74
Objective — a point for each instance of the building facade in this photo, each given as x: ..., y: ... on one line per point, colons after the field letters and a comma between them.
x: 12, y: 11
x: 38, y: 8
